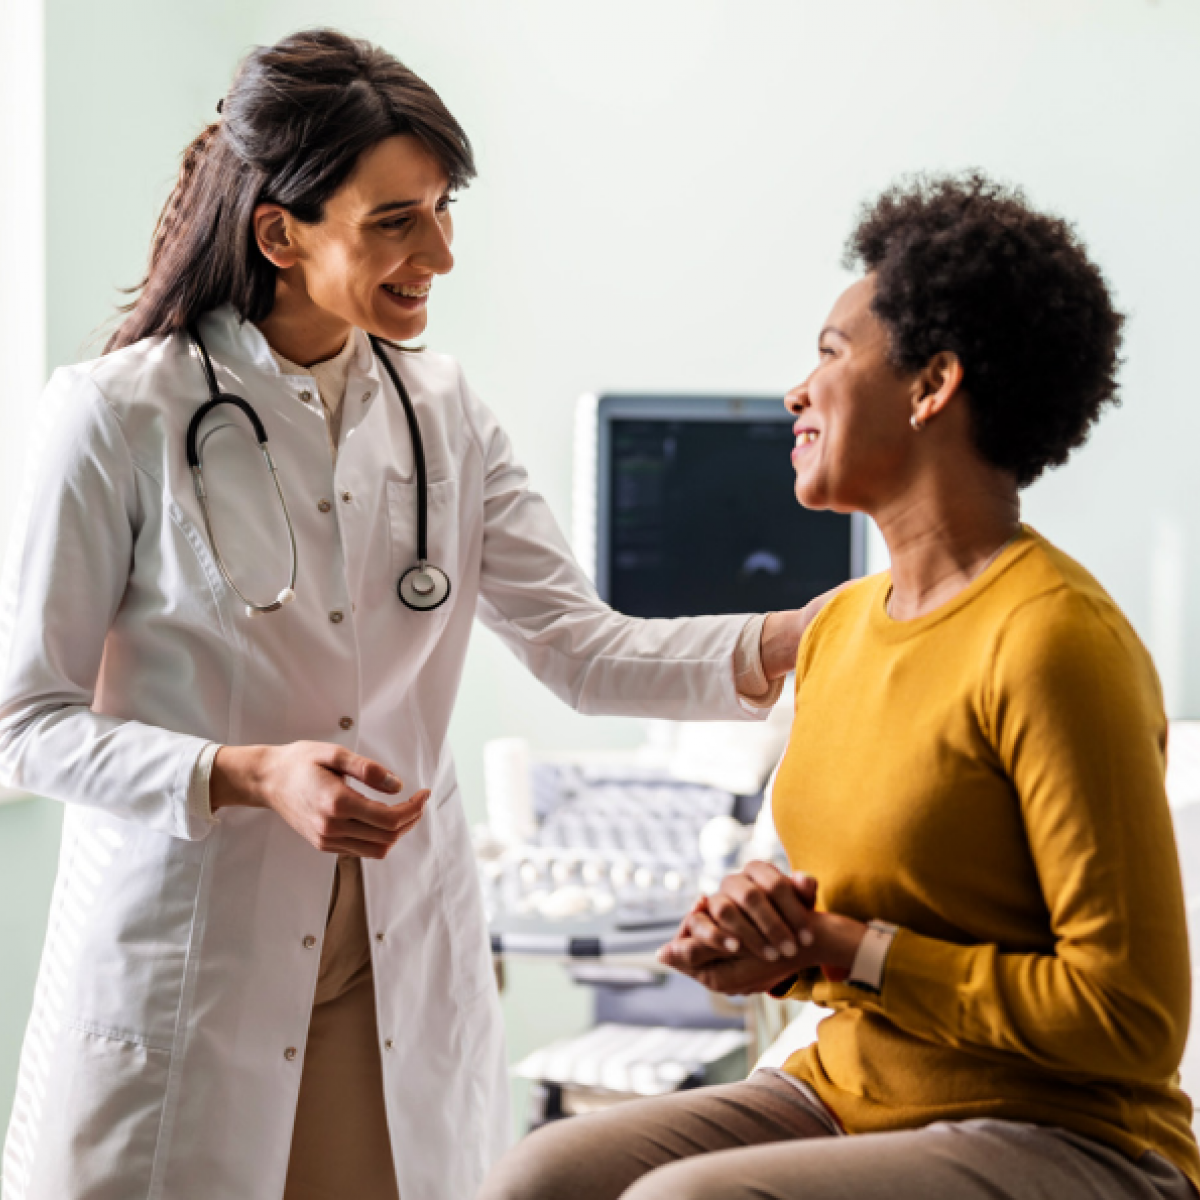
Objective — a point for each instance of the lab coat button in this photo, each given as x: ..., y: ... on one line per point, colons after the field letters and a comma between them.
x: 381, y: 936
x: 388, y: 1044
x: 347, y: 722
x: 290, y: 1053
x: 309, y: 942
x: 347, y: 497
x: 306, y: 395
x: 337, y: 616
x: 323, y: 506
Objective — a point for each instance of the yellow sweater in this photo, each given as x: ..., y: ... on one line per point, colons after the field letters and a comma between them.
x: 989, y: 777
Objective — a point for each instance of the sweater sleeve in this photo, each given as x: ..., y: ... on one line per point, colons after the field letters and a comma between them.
x: 1075, y: 716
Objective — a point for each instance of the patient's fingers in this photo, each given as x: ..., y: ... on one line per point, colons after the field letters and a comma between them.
x: 787, y: 898
x: 707, y: 932
x: 687, y: 955
x: 806, y: 888
x: 769, y: 904
x: 740, y: 930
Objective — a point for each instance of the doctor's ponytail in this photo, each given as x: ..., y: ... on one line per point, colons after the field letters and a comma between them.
x: 295, y: 122
x: 170, y: 216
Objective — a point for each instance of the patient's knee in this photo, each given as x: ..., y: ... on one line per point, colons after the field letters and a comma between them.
x: 689, y: 1179
x: 546, y: 1165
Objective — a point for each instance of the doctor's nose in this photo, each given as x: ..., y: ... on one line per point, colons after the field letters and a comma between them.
x: 434, y: 253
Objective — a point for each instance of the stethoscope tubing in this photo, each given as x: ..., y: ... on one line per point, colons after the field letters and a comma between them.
x: 215, y: 400
x: 421, y: 588
x: 418, y: 451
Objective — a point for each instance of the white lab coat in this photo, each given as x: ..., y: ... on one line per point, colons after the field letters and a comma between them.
x: 166, y: 1043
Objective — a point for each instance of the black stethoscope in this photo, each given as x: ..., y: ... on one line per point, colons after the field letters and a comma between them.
x: 421, y: 588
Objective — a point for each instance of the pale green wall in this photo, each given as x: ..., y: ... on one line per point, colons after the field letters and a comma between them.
x: 28, y: 853
x: 665, y: 186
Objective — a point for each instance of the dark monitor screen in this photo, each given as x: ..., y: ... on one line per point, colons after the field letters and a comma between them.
x: 697, y: 513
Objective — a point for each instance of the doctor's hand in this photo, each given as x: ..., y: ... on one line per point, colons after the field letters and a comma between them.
x: 306, y: 784
x: 782, y: 632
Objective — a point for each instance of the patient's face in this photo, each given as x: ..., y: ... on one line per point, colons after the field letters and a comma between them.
x: 852, y: 413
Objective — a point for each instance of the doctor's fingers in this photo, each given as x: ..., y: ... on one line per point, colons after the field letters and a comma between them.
x: 404, y: 818
x: 349, y: 805
x: 356, y: 766
x: 358, y: 847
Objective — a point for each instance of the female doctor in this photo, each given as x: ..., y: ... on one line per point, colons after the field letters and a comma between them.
x: 266, y: 972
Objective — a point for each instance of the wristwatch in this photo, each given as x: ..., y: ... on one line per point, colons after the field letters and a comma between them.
x: 866, y: 972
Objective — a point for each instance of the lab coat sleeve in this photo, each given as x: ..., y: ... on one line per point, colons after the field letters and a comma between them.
x: 66, y: 570
x: 536, y: 596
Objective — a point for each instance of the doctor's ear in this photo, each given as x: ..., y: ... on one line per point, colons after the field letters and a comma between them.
x: 274, y: 230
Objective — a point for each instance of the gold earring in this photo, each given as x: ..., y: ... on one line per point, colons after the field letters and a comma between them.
x: 916, y: 423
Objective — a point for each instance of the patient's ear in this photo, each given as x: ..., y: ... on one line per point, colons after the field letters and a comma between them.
x: 938, y: 384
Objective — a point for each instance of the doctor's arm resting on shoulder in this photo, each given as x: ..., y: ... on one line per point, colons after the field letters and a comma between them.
x: 535, y: 596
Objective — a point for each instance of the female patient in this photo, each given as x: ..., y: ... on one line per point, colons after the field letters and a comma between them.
x: 975, y: 784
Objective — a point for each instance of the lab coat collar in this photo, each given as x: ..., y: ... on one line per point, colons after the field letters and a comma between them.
x: 231, y: 339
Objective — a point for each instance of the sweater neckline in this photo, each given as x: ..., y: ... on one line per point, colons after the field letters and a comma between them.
x: 900, y: 630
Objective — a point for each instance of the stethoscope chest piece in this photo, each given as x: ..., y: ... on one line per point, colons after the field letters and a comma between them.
x: 423, y: 587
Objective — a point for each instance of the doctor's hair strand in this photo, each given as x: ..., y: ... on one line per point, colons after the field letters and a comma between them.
x: 295, y: 122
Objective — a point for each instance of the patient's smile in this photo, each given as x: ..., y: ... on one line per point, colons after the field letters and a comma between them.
x: 804, y: 438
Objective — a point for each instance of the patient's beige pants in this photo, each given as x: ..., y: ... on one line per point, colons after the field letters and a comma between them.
x: 764, y: 1139
x: 340, y: 1146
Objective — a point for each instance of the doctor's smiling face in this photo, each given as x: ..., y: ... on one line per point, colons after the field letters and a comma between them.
x: 853, y: 437
x: 370, y: 260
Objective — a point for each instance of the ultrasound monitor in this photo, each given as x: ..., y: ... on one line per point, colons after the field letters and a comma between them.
x: 694, y: 509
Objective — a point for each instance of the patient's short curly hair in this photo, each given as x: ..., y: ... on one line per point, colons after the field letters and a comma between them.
x: 965, y: 264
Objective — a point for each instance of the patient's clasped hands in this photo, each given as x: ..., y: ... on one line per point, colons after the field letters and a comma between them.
x: 758, y: 930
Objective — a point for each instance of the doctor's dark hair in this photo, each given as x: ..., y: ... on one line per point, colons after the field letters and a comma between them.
x: 295, y: 122
x: 964, y: 264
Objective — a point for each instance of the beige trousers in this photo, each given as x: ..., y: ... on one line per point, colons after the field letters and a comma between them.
x: 765, y: 1139
x: 340, y: 1144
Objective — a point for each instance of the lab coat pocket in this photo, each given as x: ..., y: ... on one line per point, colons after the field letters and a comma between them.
x: 442, y: 535
x: 124, y: 933
x: 100, y: 1116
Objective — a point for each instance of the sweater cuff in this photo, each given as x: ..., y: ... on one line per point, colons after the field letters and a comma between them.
x: 751, y: 680
x: 798, y: 987
x: 920, y: 983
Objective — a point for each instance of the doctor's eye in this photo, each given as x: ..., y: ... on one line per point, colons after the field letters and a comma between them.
x: 443, y: 205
